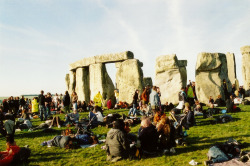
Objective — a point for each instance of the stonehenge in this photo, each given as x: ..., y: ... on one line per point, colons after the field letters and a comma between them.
x: 88, y: 76
x: 245, y: 51
x: 170, y: 77
x: 211, y: 69
x: 231, y: 66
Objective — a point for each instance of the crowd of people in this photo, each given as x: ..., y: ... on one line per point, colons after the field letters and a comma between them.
x: 158, y: 133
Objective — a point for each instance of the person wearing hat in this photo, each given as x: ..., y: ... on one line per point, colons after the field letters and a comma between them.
x: 116, y: 142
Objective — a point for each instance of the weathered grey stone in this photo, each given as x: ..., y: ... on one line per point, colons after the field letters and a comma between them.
x: 231, y: 66
x: 67, y: 80
x: 100, y: 81
x: 245, y: 51
x: 170, y: 77
x: 72, y: 81
x: 82, y: 84
x: 106, y: 58
x: 211, y: 69
x: 147, y: 81
x: 129, y: 77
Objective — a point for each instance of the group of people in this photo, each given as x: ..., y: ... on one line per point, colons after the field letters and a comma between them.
x: 158, y: 132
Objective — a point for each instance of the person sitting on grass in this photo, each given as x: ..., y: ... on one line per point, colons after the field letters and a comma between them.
x: 148, y: 137
x: 6, y: 157
x: 220, y: 102
x: 72, y: 117
x: 56, y: 121
x: 98, y: 112
x: 166, y: 135
x: 9, y: 125
x: 117, y: 145
x: 93, y: 121
x: 190, y: 115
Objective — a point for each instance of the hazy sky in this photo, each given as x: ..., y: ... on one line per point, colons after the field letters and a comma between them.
x: 40, y: 38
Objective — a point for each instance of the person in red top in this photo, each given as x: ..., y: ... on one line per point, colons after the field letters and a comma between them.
x: 7, y: 156
x: 109, y: 103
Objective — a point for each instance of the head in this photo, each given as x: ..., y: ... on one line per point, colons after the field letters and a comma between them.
x: 118, y: 124
x: 145, y: 122
x: 219, y: 96
x: 74, y: 111
x: 193, y: 83
x: 154, y: 88
x: 182, y: 88
x: 42, y: 92
x: 66, y: 93
x: 187, y: 106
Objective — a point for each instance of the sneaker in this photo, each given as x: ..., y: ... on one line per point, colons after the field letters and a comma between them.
x: 49, y: 146
x: 50, y: 127
x: 208, y: 162
x: 59, y: 126
x: 172, y: 150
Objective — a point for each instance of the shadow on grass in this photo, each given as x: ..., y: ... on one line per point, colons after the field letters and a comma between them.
x: 36, y: 134
x: 212, y: 121
x: 207, y: 143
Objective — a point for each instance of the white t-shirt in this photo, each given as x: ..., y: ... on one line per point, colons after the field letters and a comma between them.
x: 99, y: 116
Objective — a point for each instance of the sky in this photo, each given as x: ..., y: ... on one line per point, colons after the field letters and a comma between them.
x: 40, y: 38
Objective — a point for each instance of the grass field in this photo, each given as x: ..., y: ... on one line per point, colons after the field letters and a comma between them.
x: 199, y: 139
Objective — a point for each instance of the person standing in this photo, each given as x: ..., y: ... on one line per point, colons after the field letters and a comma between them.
x: 66, y: 102
x: 154, y: 99
x: 48, y: 103
x: 42, y: 109
x: 74, y: 100
x: 224, y: 85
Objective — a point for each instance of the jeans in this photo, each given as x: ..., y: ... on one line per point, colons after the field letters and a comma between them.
x: 43, y: 112
x: 69, y: 120
x: 74, y: 106
x: 66, y: 109
x: 133, y: 110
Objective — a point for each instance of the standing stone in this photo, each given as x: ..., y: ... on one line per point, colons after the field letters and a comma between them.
x: 82, y: 84
x: 72, y: 82
x: 170, y: 77
x: 147, y: 81
x: 99, y: 80
x: 129, y: 77
x: 105, y: 58
x: 182, y: 66
x: 245, y: 51
x: 67, y: 80
x: 211, y: 69
x: 231, y: 66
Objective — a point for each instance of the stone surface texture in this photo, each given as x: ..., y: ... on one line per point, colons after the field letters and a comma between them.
x: 99, y: 80
x: 147, y: 81
x: 82, y: 84
x: 170, y: 76
x: 72, y: 82
x: 105, y: 58
x: 245, y: 51
x: 211, y: 69
x: 67, y: 81
x: 231, y: 66
x: 129, y: 77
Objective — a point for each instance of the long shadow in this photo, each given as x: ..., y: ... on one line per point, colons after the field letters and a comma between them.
x: 209, y: 143
x: 36, y: 134
x: 212, y: 121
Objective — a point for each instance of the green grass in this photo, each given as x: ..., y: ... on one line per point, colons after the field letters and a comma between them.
x: 199, y: 139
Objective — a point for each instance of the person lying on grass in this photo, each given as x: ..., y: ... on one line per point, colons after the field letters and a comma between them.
x: 71, y: 142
